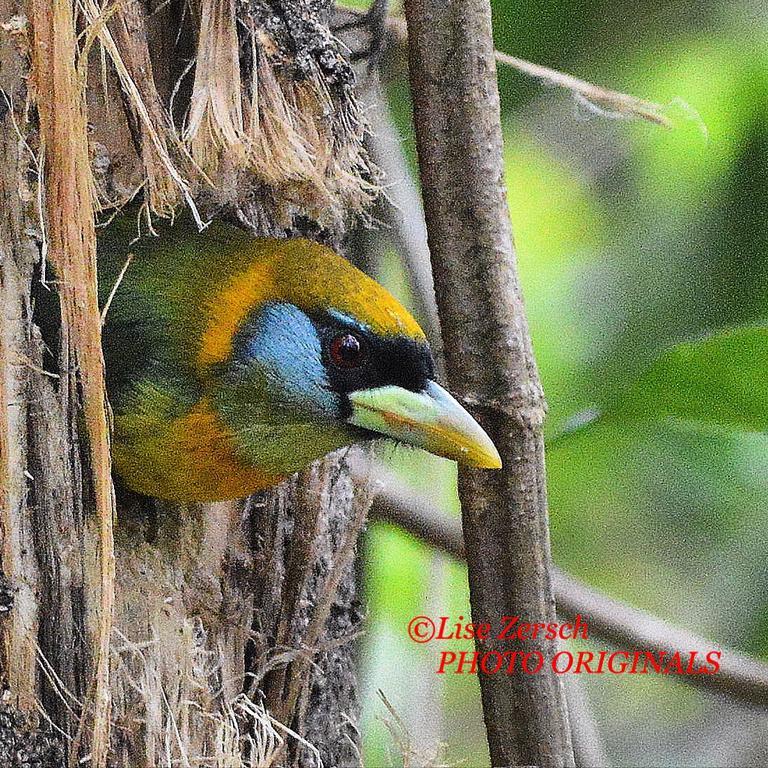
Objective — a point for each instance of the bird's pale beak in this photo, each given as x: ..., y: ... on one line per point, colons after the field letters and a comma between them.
x: 430, y: 419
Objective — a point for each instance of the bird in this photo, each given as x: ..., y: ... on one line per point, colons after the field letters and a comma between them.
x: 233, y: 362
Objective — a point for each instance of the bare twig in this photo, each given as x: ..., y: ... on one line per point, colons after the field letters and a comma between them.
x: 740, y: 677
x: 489, y: 361
x: 108, y: 302
x: 607, y: 102
x: 612, y: 103
x: 588, y: 748
x: 72, y: 249
x: 402, y: 209
x: 395, y: 503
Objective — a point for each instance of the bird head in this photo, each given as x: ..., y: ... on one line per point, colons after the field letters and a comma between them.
x: 309, y: 354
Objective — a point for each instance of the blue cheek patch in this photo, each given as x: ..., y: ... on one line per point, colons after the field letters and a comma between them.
x: 282, y: 342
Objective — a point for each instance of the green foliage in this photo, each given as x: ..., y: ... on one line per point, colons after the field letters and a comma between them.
x: 719, y: 380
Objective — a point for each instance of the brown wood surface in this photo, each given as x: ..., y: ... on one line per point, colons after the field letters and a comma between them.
x: 220, y: 610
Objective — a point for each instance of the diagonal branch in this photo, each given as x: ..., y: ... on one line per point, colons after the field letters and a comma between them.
x: 588, y: 747
x: 607, y: 102
x: 402, y: 209
x: 740, y: 677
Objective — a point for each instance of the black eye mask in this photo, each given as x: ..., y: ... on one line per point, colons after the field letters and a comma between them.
x: 382, y: 361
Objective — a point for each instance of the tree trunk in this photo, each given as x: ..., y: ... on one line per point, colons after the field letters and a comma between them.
x: 232, y: 625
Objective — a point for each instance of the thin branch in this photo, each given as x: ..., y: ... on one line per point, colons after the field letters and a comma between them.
x: 402, y: 210
x: 397, y: 504
x: 609, y: 103
x: 588, y: 747
x: 741, y: 677
x: 108, y: 302
x: 605, y: 101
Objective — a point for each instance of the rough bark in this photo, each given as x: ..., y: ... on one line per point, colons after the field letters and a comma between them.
x: 45, y: 539
x: 232, y: 623
x: 18, y: 354
x: 489, y: 362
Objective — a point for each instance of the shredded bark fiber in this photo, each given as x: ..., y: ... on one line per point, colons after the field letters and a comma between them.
x: 71, y: 248
x: 238, y: 109
x: 270, y: 130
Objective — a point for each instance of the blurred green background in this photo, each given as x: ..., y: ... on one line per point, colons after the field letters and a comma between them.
x: 630, y: 239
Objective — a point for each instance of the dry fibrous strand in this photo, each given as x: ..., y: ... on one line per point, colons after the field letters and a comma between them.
x: 272, y: 129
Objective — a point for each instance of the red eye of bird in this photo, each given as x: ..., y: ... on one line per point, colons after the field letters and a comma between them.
x: 347, y: 351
